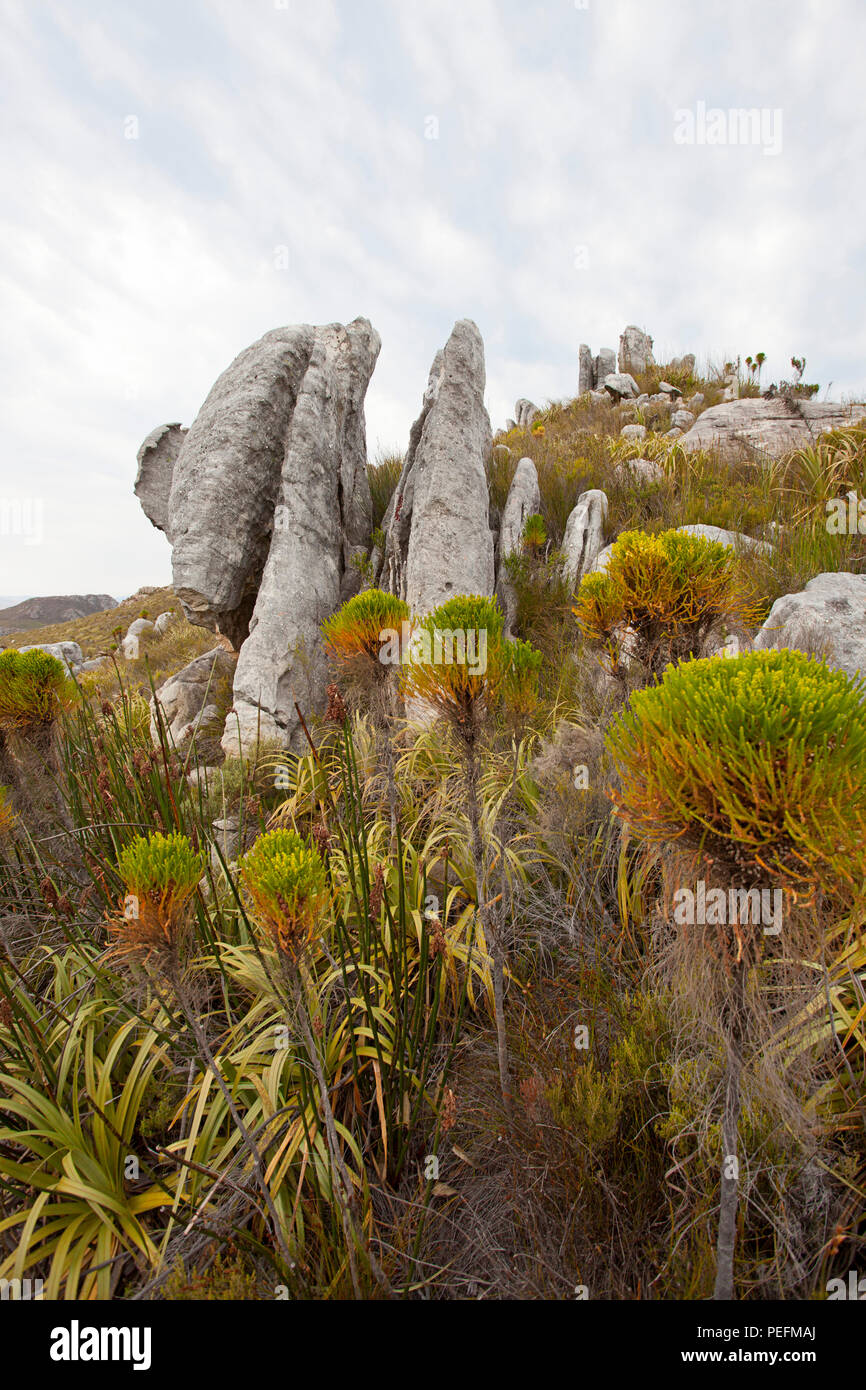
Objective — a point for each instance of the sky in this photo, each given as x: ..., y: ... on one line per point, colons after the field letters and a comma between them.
x: 180, y: 176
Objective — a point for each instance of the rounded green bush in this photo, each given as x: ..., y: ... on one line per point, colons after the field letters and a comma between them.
x: 34, y: 688
x: 288, y: 883
x: 758, y: 761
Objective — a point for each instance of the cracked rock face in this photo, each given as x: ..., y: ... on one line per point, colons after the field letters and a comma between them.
x: 772, y: 427
x: 268, y: 501
x: 438, y: 541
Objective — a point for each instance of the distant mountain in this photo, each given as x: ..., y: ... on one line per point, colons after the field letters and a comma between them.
x: 39, y: 612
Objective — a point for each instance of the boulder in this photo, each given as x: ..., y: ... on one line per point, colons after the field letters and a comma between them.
x: 525, y: 412
x: 633, y: 432
x: 827, y: 619
x: 585, y: 380
x: 162, y: 622
x: 735, y: 539
x: 635, y: 350
x: 438, y: 541
x: 682, y: 420
x: 644, y: 470
x: 69, y: 654
x: 668, y: 390
x: 621, y: 386
x: 524, y: 499
x: 156, y: 459
x: 137, y: 633
x: 695, y: 401
x: 195, y: 698
x: 584, y: 535
x: 769, y: 428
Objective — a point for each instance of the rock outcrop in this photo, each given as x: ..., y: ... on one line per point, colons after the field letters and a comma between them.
x: 585, y: 379
x: 195, y: 699
x: 524, y: 499
x: 584, y: 535
x: 438, y: 541
x: 267, y: 507
x: 826, y: 619
x: 525, y: 412
x: 69, y: 654
x: 156, y: 459
x: 766, y: 427
x: 635, y: 350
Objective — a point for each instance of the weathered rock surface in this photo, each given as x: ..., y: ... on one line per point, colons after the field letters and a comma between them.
x: 827, y: 618
x: 524, y: 499
x: 686, y: 363
x: 682, y: 420
x: 735, y: 539
x: 621, y: 386
x: 137, y: 633
x: 633, y: 432
x: 68, y: 653
x: 585, y: 380
x: 645, y: 470
x: 584, y: 535
x: 268, y: 505
x: 195, y: 698
x: 768, y: 427
x: 635, y: 350
x: 156, y: 459
x: 603, y: 365
x: 525, y: 412
x: 320, y: 521
x: 162, y: 622
x: 438, y: 538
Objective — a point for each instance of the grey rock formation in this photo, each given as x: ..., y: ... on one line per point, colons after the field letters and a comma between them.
x: 767, y: 427
x: 826, y: 619
x: 438, y: 539
x: 633, y: 432
x: 162, y: 622
x: 137, y: 634
x: 643, y: 470
x: 524, y: 499
x: 585, y: 380
x: 603, y: 365
x: 686, y: 363
x: 682, y: 420
x: 525, y: 412
x: 621, y: 386
x: 69, y: 654
x: 269, y: 505
x: 320, y: 521
x: 668, y: 390
x: 584, y: 535
x: 735, y: 539
x: 156, y: 459
x: 635, y: 350
x: 694, y: 401
x: 195, y: 698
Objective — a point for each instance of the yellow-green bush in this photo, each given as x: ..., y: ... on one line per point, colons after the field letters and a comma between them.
x: 288, y: 884
x: 757, y: 761
x: 34, y: 688
x: 669, y: 589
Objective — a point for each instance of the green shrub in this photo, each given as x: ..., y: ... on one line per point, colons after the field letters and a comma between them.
x: 288, y: 884
x: 355, y: 632
x: 669, y: 589
x: 757, y: 761
x: 34, y: 689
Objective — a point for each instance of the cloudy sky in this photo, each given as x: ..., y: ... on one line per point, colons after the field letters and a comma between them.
x: 180, y: 176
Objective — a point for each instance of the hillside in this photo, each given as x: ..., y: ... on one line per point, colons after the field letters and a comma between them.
x: 43, y: 612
